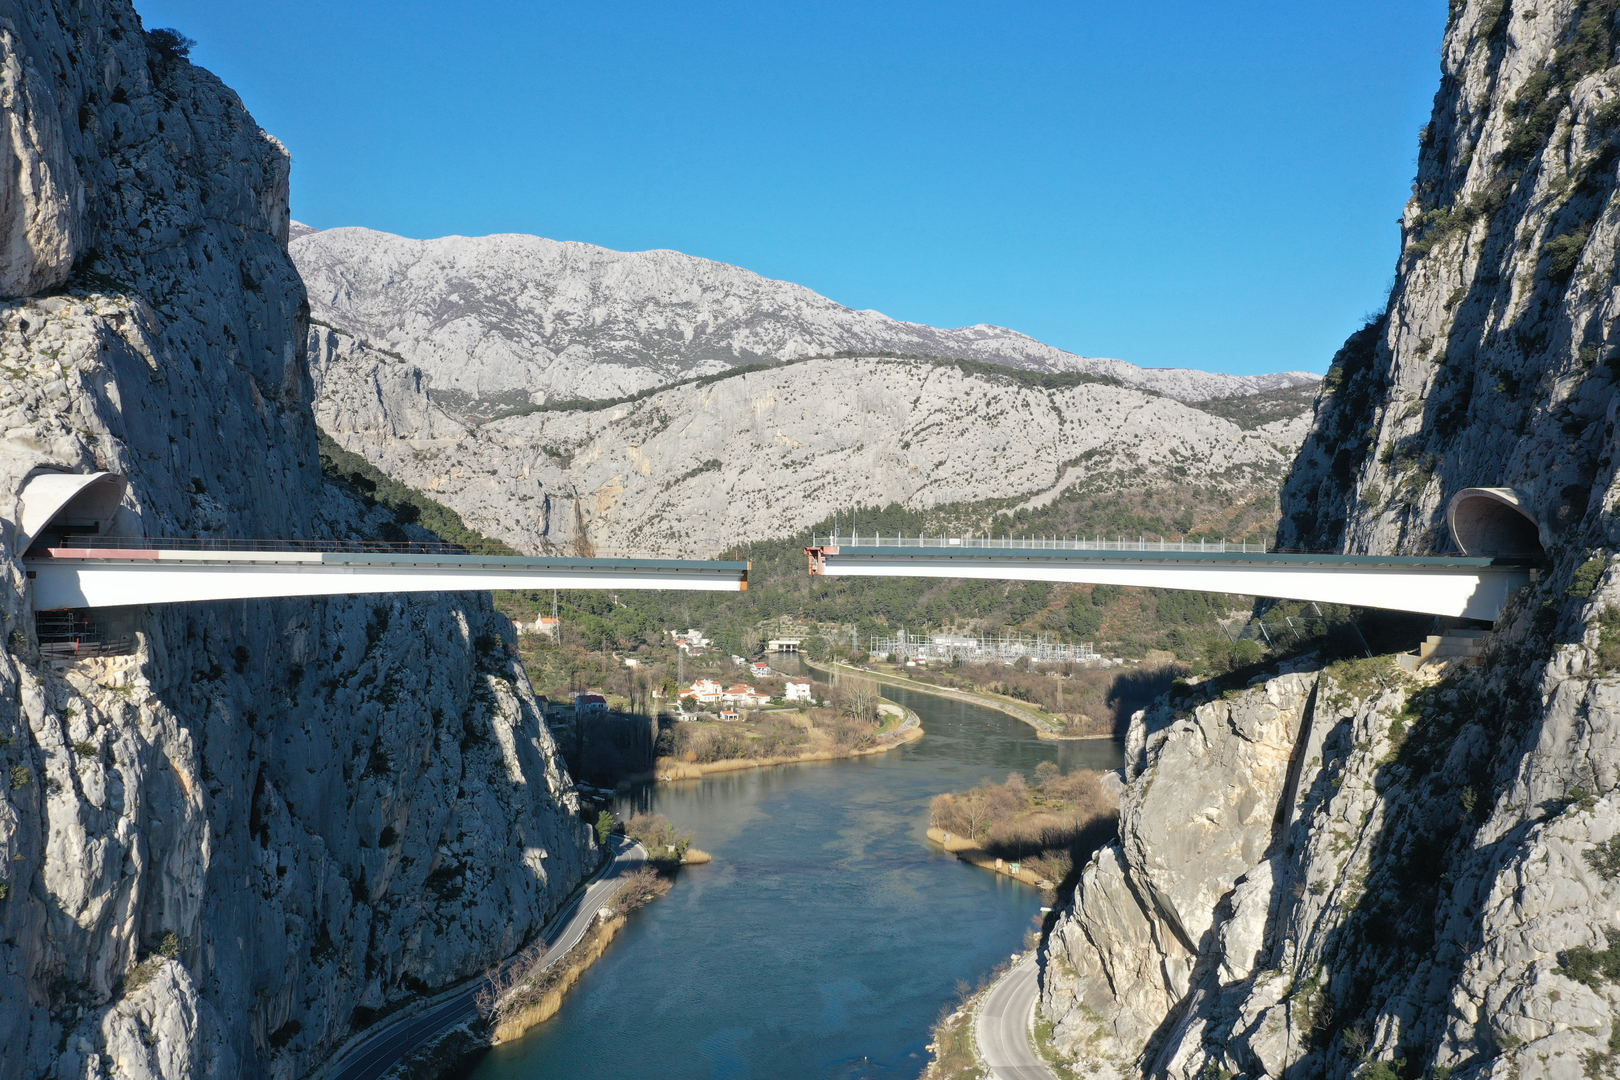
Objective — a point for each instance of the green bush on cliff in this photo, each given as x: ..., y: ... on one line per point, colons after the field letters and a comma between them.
x: 1592, y: 966
x: 1223, y: 655
x: 170, y: 44
x: 1608, y: 643
x: 1605, y: 858
x: 1563, y: 254
x: 1586, y: 576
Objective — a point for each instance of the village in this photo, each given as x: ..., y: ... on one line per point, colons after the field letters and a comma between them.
x: 707, y: 696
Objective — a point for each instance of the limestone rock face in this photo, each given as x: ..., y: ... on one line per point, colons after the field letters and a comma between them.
x: 495, y: 321
x: 1214, y: 821
x: 41, y: 196
x: 1201, y: 816
x: 1424, y: 872
x: 766, y: 453
x: 222, y: 855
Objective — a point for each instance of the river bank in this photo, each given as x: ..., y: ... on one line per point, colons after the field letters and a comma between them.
x: 1044, y: 729
x: 442, y: 1034
x: 970, y: 852
x: 828, y: 931
x: 532, y: 988
x: 909, y: 730
x: 560, y: 978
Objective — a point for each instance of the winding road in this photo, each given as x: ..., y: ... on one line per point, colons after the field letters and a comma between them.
x: 388, y: 1045
x: 1003, y: 1027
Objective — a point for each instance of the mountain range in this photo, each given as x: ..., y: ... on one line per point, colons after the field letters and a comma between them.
x: 763, y: 453
x: 496, y: 322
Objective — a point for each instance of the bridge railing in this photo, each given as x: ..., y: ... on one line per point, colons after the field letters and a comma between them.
x: 1045, y: 543
x: 358, y: 547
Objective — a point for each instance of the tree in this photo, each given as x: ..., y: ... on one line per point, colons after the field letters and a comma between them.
x: 169, y: 43
x: 604, y: 826
x: 503, y: 981
x: 857, y: 698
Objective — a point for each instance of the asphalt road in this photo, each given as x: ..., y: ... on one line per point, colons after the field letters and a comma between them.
x: 1003, y: 1029
x: 383, y: 1048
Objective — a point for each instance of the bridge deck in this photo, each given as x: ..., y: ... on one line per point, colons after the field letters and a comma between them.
x: 114, y: 576
x: 1474, y: 588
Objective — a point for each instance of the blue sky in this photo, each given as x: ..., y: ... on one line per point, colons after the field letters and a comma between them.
x: 1176, y: 184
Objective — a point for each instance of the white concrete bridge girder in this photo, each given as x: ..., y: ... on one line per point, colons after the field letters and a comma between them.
x: 1471, y: 592
x: 61, y: 584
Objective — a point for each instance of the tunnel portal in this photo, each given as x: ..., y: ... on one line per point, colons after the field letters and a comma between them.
x: 1494, y: 522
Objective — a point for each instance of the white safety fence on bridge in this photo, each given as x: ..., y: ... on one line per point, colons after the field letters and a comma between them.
x: 1046, y: 543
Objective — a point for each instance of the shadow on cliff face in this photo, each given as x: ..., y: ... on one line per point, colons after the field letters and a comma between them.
x: 1351, y: 391
x: 1418, y: 909
x: 1490, y: 389
x: 1344, y: 634
x: 1137, y: 689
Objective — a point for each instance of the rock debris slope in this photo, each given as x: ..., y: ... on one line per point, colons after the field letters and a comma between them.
x: 222, y: 854
x: 1350, y: 871
x: 765, y: 453
x: 497, y: 321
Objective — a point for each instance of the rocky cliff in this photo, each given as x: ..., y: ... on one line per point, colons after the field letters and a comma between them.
x: 275, y: 820
x: 763, y: 454
x: 498, y: 321
x: 1352, y: 871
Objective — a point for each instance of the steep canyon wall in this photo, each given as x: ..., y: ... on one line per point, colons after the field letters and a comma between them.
x: 222, y: 854
x: 1351, y: 870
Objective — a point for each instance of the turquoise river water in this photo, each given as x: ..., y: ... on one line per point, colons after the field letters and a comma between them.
x: 825, y: 936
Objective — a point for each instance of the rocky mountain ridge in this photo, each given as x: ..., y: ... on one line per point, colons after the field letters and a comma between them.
x: 763, y: 454
x: 226, y: 853
x: 499, y: 321
x: 1348, y: 870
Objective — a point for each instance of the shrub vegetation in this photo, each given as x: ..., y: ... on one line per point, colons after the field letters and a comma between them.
x: 1051, y: 826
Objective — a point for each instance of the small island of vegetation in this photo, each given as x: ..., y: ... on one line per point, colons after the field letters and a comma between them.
x: 1040, y: 833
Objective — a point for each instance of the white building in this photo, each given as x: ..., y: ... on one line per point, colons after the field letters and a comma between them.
x: 743, y: 694
x: 706, y: 691
x: 798, y: 690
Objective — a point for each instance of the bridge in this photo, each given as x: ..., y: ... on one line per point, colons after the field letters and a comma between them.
x: 84, y: 549
x: 1492, y: 527
x: 73, y: 530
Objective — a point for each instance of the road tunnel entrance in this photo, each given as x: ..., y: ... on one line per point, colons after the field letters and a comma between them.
x: 53, y: 505
x: 1494, y: 522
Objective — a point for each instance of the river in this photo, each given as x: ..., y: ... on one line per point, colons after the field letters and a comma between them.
x: 826, y: 935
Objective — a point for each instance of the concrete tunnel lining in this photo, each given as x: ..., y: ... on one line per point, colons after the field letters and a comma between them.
x: 78, y: 500
x: 1494, y: 521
